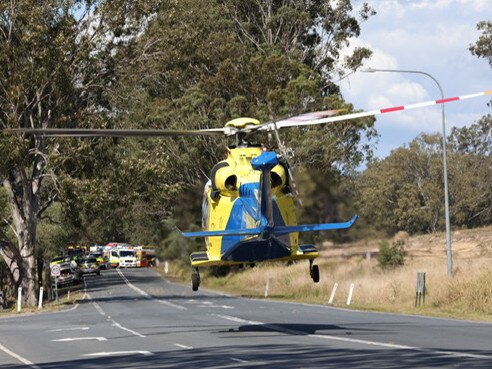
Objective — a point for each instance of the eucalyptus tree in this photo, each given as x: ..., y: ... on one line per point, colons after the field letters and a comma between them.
x: 56, y: 64
x: 482, y: 48
x: 200, y: 64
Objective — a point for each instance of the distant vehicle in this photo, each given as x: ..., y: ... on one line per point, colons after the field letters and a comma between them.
x: 74, y: 252
x: 127, y: 258
x: 89, y: 266
x: 142, y: 261
x: 58, y: 260
x: 100, y: 259
x: 151, y: 260
x: 68, y: 275
x: 123, y: 258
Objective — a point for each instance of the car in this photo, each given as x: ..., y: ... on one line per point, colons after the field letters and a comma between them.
x: 68, y: 275
x: 89, y: 265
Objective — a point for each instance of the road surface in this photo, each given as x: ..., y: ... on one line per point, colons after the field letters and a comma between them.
x: 133, y: 318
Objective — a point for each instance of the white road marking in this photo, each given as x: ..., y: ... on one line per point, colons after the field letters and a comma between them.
x: 146, y: 295
x: 237, y: 320
x: 135, y: 333
x: 18, y: 357
x: 98, y: 308
x: 145, y: 353
x: 183, y: 346
x: 208, y: 304
x: 216, y: 306
x: 69, y: 329
x: 239, y: 360
x: 80, y: 339
x: 115, y: 323
x: 352, y: 340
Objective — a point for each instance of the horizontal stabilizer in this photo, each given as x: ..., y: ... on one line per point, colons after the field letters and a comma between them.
x: 275, y: 230
x: 314, y: 227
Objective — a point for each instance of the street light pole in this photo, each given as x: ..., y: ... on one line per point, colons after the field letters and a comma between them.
x: 444, y: 158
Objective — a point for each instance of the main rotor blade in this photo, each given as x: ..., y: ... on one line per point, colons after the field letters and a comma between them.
x: 90, y: 132
x: 292, y: 123
x: 315, y: 115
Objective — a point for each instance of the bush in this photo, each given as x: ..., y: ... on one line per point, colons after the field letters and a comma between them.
x: 391, y: 256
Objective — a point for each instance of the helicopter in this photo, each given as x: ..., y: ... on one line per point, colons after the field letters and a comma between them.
x: 248, y: 209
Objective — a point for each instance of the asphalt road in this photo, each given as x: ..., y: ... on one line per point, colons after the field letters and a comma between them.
x: 134, y: 319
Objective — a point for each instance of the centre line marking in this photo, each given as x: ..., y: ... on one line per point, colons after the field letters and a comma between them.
x: 69, y: 329
x: 80, y: 339
x: 146, y: 295
x: 98, y: 308
x: 145, y: 353
x: 183, y: 346
x: 118, y: 325
x: 239, y: 360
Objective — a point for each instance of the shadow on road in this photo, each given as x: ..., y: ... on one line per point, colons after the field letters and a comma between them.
x: 274, y: 356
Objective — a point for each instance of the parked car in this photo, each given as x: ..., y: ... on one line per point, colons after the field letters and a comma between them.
x: 68, y: 275
x: 89, y: 265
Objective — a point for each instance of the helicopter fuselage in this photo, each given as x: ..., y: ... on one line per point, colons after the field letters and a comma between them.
x: 249, y: 190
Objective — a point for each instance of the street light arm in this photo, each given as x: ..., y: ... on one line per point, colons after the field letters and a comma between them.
x: 373, y: 70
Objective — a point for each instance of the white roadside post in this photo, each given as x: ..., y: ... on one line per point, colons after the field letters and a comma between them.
x: 19, y: 299
x: 349, y: 299
x: 166, y: 267
x: 40, y: 301
x: 267, y: 287
x: 333, y: 292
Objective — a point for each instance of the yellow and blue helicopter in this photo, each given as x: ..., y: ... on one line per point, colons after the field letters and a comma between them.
x: 249, y: 202
x: 248, y: 211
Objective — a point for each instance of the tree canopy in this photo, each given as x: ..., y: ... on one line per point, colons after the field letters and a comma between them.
x: 404, y: 191
x: 186, y: 64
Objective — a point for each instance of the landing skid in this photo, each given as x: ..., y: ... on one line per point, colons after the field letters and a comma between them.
x: 195, y: 280
x: 313, y: 271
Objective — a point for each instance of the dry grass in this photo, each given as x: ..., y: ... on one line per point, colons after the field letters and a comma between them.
x: 467, y: 296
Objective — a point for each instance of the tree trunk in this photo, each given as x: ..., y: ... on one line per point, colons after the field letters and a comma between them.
x: 23, y: 204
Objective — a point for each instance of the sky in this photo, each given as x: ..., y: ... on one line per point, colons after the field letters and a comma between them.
x: 432, y: 36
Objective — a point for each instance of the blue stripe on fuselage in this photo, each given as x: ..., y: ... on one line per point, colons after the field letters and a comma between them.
x: 244, y: 207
